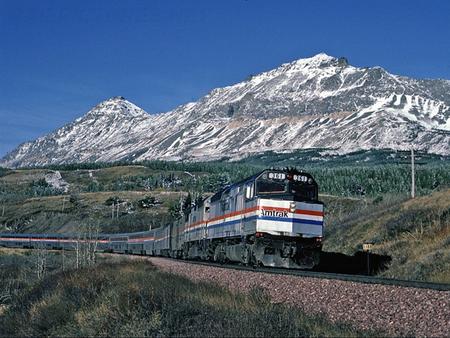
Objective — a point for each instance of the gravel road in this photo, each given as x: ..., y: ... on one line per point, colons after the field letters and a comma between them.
x: 391, y: 309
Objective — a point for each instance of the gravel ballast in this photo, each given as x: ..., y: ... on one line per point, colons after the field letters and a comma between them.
x: 391, y: 309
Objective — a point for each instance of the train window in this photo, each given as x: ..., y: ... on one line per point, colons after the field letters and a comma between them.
x: 269, y: 186
x: 306, y: 192
x: 249, y: 191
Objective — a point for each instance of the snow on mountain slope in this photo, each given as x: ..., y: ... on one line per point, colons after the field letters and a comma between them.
x: 320, y: 101
x: 107, y: 131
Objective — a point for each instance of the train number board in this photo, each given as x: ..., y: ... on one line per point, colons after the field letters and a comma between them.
x: 367, y: 246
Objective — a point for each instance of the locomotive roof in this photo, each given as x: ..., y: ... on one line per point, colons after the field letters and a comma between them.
x: 218, y: 194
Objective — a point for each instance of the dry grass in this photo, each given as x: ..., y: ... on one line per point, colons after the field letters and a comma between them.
x: 21, y: 176
x: 416, y: 233
x: 123, y: 298
x: 65, y: 213
x: 61, y: 214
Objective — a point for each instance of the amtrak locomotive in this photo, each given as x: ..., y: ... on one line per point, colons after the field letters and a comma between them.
x: 273, y: 218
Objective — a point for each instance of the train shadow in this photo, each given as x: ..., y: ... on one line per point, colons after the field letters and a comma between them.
x: 357, y: 264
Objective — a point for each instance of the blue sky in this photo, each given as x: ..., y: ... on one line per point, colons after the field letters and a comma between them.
x: 60, y: 58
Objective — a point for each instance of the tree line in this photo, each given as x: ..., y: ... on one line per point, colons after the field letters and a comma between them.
x: 200, y: 177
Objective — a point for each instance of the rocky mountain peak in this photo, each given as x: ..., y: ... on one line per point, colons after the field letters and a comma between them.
x: 116, y: 106
x: 317, y: 102
x: 318, y: 61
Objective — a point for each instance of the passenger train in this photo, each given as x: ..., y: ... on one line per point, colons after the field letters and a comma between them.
x: 273, y: 218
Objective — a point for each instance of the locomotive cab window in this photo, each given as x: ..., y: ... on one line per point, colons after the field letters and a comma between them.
x: 304, y: 191
x: 269, y: 186
x: 249, y: 191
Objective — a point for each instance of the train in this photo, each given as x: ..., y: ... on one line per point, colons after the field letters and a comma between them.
x: 273, y: 218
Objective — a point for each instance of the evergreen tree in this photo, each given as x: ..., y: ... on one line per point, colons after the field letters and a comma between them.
x: 187, y: 205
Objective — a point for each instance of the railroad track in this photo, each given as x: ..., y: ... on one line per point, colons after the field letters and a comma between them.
x: 328, y: 275
x: 315, y: 274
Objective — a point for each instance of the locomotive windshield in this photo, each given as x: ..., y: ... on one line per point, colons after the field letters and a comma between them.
x: 268, y: 186
x: 286, y: 185
x: 304, y: 191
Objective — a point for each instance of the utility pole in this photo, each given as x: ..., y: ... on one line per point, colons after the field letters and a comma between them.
x: 63, y: 258
x: 78, y: 251
x: 413, y: 179
x: 112, y: 210
x: 64, y: 202
x: 3, y: 210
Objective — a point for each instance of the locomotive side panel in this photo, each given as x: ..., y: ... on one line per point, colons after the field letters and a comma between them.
x: 234, y: 216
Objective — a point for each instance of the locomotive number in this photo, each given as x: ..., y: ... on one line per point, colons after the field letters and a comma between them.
x: 300, y: 178
x: 277, y: 176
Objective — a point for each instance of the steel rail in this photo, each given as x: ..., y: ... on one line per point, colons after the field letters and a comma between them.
x: 303, y: 273
x: 329, y: 275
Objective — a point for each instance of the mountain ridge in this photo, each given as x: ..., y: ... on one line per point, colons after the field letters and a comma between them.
x: 316, y: 102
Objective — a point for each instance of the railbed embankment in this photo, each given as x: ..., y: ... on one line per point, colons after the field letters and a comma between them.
x: 394, y: 310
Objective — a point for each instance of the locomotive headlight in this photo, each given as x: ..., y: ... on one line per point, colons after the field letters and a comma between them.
x: 292, y: 207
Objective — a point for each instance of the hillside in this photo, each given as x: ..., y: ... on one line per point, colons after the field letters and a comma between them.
x: 113, y: 198
x: 362, y: 203
x: 414, y: 232
x: 319, y: 102
x: 60, y: 198
x: 49, y: 200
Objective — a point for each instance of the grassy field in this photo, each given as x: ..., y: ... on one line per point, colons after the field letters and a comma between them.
x: 65, y: 213
x: 18, y: 272
x: 131, y: 298
x: 28, y: 203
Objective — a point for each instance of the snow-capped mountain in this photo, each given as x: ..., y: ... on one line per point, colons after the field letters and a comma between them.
x: 109, y: 130
x: 318, y: 102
